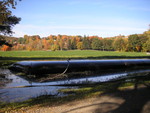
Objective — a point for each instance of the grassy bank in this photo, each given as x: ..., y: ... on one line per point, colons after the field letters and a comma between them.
x: 74, y: 54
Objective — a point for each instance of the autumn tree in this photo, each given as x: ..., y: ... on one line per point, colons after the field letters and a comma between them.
x: 64, y: 39
x: 55, y: 46
x: 38, y: 42
x: 61, y: 43
x: 19, y: 47
x: 31, y: 42
x: 69, y: 45
x: 51, y: 41
x: 5, y: 48
x: 45, y: 44
x: 80, y: 45
x: 119, y: 44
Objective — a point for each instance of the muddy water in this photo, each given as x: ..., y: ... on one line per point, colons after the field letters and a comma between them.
x: 14, y: 88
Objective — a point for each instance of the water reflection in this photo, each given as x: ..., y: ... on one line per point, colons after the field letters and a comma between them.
x: 21, y: 94
x: 16, y: 90
x: 19, y: 88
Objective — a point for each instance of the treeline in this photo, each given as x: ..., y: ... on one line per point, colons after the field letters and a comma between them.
x: 134, y: 42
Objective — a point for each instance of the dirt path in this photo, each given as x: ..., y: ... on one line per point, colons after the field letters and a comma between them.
x: 128, y: 101
x: 84, y: 106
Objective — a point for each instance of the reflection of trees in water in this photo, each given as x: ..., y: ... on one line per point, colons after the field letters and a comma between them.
x: 56, y: 77
x: 3, y: 77
x: 4, y: 80
x: 100, y: 76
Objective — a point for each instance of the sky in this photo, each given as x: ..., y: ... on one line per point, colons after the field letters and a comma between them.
x: 104, y: 18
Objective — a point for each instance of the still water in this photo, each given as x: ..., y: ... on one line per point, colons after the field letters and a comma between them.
x: 14, y: 88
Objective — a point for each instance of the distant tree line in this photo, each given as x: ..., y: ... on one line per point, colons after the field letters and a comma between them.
x: 134, y: 42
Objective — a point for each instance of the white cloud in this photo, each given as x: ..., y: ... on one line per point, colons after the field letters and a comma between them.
x: 104, y: 31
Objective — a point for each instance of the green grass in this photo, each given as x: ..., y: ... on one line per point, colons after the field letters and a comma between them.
x: 74, y: 54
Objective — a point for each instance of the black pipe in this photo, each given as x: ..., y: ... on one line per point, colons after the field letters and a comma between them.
x: 52, y: 67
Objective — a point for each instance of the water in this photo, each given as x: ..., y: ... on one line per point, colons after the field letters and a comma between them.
x: 14, y: 88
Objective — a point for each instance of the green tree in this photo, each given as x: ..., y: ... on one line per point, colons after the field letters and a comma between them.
x: 146, y: 42
x: 7, y: 19
x: 146, y: 46
x: 97, y: 44
x: 73, y: 43
x: 108, y: 44
x: 86, y: 43
x: 134, y: 43
x: 21, y: 40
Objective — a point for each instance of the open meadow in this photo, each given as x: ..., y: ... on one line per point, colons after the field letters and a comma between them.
x: 72, y: 54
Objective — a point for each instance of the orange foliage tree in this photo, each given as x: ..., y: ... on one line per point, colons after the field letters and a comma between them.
x: 6, y: 48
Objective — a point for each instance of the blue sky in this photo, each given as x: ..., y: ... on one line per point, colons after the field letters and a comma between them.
x: 103, y: 18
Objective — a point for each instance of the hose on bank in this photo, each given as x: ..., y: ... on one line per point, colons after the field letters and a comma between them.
x: 65, y: 69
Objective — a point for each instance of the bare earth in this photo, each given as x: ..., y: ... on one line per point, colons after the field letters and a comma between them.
x: 125, y: 101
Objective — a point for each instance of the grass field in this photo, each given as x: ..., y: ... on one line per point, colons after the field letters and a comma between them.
x: 9, y: 57
x: 75, y: 54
